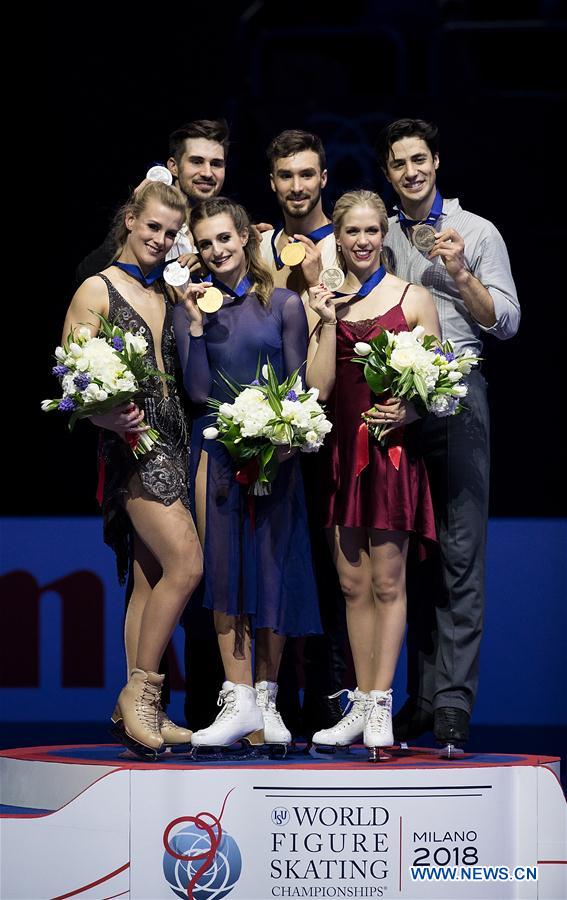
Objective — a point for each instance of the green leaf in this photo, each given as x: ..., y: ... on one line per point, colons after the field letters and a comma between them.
x: 378, y: 381
x: 420, y: 385
x: 271, y: 466
x: 233, y: 386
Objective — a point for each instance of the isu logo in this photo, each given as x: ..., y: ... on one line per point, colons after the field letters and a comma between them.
x: 200, y: 860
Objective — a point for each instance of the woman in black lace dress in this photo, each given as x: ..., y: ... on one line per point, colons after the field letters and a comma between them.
x: 145, y: 503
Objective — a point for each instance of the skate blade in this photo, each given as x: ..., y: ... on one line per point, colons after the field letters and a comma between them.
x: 232, y: 753
x: 450, y: 751
x: 173, y: 749
x: 377, y: 755
x: 140, y: 751
x: 323, y: 750
x: 276, y: 751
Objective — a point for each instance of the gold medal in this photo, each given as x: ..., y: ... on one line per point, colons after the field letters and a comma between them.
x: 293, y: 254
x: 211, y: 300
x: 333, y: 278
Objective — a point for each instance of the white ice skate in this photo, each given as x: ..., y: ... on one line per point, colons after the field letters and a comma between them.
x: 240, y: 719
x: 349, y: 729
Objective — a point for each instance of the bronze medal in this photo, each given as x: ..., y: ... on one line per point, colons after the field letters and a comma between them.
x: 424, y: 238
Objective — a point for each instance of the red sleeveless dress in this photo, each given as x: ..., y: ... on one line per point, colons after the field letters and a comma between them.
x: 381, y: 496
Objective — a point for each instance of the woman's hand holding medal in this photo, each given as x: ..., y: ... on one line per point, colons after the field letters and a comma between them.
x: 322, y: 301
x: 191, y: 297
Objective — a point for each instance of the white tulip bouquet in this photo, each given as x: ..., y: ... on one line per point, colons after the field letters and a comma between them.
x: 263, y: 416
x: 99, y: 373
x: 418, y: 367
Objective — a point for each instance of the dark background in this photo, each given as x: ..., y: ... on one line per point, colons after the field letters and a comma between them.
x: 111, y: 93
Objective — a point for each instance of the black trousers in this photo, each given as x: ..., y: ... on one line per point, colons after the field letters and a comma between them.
x: 446, y: 592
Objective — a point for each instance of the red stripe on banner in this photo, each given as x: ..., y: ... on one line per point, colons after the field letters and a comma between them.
x: 93, y: 883
x: 552, y: 862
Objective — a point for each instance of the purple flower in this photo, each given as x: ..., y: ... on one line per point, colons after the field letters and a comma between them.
x: 117, y: 343
x: 438, y: 351
x: 66, y: 405
x: 82, y: 381
x: 291, y: 395
x: 449, y: 356
x: 252, y: 383
x: 60, y: 371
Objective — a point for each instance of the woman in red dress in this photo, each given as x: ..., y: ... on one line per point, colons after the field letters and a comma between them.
x: 374, y: 496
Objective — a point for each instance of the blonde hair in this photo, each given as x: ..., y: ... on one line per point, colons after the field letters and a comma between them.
x: 155, y: 190
x: 261, y: 277
x: 349, y: 201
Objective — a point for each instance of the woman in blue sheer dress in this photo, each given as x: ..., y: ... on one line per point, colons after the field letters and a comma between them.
x: 258, y: 576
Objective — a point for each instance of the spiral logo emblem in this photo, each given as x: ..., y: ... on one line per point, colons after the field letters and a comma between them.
x: 201, y: 862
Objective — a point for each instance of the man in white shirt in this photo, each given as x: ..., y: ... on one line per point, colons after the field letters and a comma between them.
x: 197, y: 162
x: 298, y: 176
x: 468, y: 273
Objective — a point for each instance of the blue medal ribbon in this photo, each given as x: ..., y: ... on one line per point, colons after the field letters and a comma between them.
x: 368, y: 285
x: 241, y: 289
x: 434, y: 214
x: 314, y: 236
x: 137, y: 273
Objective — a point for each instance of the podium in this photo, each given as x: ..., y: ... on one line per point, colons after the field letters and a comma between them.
x: 90, y: 822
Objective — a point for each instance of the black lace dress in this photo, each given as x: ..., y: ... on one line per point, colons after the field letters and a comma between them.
x: 162, y: 473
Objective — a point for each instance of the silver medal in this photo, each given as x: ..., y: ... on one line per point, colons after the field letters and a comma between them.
x: 333, y: 278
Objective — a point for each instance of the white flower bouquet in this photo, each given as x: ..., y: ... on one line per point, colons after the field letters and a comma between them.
x: 263, y: 416
x: 99, y: 373
x: 418, y: 367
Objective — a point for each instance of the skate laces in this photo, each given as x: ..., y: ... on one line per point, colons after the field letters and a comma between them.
x: 266, y: 701
x: 379, y: 711
x: 164, y: 720
x: 352, y: 698
x: 226, y: 700
x: 147, y: 705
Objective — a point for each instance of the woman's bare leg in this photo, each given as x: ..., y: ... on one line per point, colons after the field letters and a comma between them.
x: 269, y: 650
x: 372, y: 572
x: 201, y: 496
x: 349, y: 547
x: 388, y: 557
x: 146, y: 574
x: 169, y: 534
x: 237, y: 667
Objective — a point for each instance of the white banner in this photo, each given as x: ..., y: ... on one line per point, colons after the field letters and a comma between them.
x: 261, y: 834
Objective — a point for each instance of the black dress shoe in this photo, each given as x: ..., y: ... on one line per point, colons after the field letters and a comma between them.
x: 451, y: 726
x: 411, y: 722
